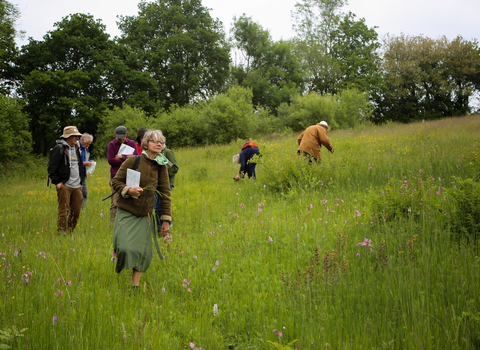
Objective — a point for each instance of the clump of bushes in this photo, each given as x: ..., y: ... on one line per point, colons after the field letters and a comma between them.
x: 402, y: 199
x: 464, y: 213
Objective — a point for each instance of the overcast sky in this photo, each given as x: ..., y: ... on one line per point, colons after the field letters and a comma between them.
x: 432, y: 18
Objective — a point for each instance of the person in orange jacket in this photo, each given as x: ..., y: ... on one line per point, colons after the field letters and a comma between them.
x: 311, y: 140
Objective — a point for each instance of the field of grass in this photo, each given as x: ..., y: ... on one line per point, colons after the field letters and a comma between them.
x: 364, y: 252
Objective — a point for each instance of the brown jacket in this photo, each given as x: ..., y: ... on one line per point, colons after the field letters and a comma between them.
x: 143, y: 205
x: 312, y: 139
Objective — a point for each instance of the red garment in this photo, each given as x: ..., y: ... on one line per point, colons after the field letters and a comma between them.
x: 139, y: 148
x: 250, y: 144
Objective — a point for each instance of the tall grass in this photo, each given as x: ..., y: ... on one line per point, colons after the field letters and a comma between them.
x: 355, y: 254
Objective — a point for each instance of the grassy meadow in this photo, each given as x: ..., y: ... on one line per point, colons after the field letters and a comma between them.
x: 372, y: 250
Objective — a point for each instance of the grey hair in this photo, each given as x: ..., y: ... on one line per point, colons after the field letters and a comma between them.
x: 86, y: 136
x: 152, y: 135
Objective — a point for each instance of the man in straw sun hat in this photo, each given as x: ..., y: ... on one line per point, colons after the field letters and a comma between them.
x: 66, y: 170
x: 311, y: 140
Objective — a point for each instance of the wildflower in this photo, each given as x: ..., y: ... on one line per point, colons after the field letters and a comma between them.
x: 270, y: 239
x: 113, y: 256
x: 358, y: 254
x: 69, y: 283
x: 217, y: 263
x: 366, y: 242
x: 189, y: 290
x: 194, y: 256
x: 215, y: 310
x: 213, y: 269
x: 192, y: 345
x: 409, y: 210
x: 279, y: 334
x: 15, y: 253
x: 101, y: 214
x: 54, y: 320
x: 264, y: 186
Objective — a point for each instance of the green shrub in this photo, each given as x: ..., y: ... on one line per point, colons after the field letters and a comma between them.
x: 16, y: 140
x: 464, y: 215
x: 285, y: 171
x: 132, y: 118
x: 229, y: 116
x: 309, y: 110
x: 182, y: 126
x: 353, y: 108
x: 401, y: 199
x: 472, y: 160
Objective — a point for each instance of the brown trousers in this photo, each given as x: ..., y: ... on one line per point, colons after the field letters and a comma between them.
x: 69, y: 206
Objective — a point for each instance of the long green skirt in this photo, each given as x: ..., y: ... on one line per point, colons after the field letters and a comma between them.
x: 132, y: 241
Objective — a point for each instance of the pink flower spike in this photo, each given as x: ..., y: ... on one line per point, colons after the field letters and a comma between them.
x: 192, y: 345
x: 69, y: 283
x: 189, y: 290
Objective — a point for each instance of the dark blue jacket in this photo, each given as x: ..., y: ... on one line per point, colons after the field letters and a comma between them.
x: 246, y: 155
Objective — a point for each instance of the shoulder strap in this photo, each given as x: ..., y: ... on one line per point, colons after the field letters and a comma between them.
x: 137, y: 162
x: 135, y: 166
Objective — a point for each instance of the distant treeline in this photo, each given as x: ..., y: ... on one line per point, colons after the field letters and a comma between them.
x: 174, y: 68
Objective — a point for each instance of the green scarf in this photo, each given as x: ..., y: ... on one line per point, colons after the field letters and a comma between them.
x: 160, y: 158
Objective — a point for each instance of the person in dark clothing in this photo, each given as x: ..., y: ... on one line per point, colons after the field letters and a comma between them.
x: 249, y: 150
x: 66, y: 171
x: 116, y: 160
x: 140, y: 134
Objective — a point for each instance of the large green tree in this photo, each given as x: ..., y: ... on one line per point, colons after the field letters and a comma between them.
x: 336, y: 50
x: 8, y: 49
x: 269, y: 68
x: 182, y: 48
x: 426, y: 78
x: 355, y: 51
x: 64, y: 78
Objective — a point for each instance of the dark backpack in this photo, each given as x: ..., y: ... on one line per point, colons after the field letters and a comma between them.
x: 62, y: 152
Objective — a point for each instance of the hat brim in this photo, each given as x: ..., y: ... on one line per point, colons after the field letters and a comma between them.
x: 120, y: 136
x: 72, y: 134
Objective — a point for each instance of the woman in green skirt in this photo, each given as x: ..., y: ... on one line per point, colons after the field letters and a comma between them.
x: 134, y: 222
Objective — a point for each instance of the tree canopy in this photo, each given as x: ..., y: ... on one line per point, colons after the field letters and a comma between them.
x: 181, y: 47
x: 63, y: 78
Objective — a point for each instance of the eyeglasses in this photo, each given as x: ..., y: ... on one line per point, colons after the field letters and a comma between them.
x: 157, y: 142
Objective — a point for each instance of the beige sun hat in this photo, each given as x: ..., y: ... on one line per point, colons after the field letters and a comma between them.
x: 70, y: 131
x: 324, y: 123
